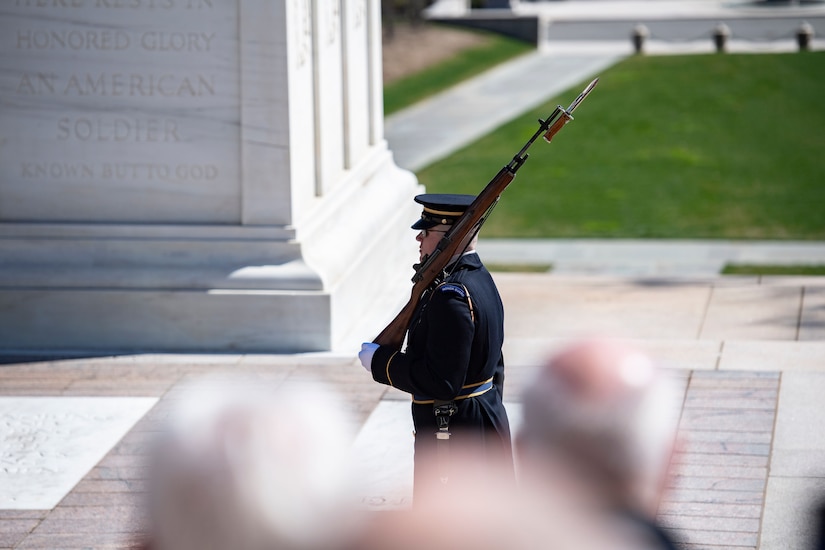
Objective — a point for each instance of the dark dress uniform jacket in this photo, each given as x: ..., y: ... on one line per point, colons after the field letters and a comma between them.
x: 454, y: 340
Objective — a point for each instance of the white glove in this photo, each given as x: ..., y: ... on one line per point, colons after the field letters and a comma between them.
x: 366, y: 353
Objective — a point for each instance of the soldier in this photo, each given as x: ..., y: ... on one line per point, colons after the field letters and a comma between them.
x: 453, y: 364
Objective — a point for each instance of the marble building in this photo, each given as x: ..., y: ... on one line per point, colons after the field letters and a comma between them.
x: 197, y: 175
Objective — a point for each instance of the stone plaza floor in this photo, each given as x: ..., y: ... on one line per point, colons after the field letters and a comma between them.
x: 749, y: 352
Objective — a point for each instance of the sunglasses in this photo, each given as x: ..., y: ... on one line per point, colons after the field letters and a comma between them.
x: 426, y: 232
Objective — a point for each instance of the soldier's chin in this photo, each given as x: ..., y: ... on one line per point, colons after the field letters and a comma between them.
x: 421, y: 259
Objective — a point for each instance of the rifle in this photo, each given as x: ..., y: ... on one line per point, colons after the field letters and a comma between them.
x: 468, y: 225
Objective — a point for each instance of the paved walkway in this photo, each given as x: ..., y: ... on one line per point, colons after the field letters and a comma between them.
x: 437, y: 127
x: 649, y: 257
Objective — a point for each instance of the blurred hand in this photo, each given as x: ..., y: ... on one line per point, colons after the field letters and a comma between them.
x: 366, y: 353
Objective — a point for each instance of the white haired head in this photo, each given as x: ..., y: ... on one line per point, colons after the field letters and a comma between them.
x: 602, y: 410
x: 249, y: 468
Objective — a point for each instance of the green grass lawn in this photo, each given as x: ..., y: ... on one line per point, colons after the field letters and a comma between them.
x: 752, y: 269
x: 700, y: 146
x: 406, y: 91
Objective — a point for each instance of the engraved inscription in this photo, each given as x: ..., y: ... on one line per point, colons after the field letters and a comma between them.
x: 333, y: 21
x: 104, y: 40
x: 104, y: 92
x: 117, y: 4
x: 28, y: 439
x: 117, y: 129
x: 360, y: 13
x: 303, y: 31
x: 118, y: 84
x: 48, y: 444
x: 108, y: 40
x: 121, y: 171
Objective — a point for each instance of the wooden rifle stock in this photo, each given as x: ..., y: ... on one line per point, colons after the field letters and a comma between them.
x: 465, y: 228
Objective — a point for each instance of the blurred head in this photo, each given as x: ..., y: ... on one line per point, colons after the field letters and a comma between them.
x: 480, y: 510
x: 250, y: 468
x: 600, y: 411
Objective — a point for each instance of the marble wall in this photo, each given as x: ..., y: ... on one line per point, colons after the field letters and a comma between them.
x: 168, y: 168
x: 120, y: 112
